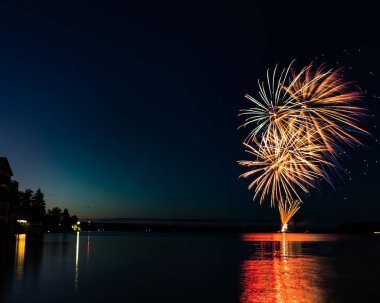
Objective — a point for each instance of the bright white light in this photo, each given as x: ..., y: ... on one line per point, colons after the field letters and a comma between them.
x: 284, y: 228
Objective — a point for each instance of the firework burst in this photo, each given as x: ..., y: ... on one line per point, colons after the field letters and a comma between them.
x: 283, y: 165
x: 287, y: 209
x: 318, y: 100
x: 268, y: 113
x: 323, y: 102
x: 298, y: 124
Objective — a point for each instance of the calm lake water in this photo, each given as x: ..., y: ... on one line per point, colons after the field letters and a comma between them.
x: 189, y: 267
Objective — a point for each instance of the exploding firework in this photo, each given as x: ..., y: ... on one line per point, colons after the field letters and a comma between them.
x: 322, y: 101
x: 283, y: 165
x: 317, y: 101
x: 267, y: 115
x: 287, y: 209
x: 298, y: 124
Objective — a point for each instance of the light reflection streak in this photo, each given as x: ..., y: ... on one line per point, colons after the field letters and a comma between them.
x: 20, y: 255
x: 278, y: 271
x: 88, y: 247
x: 76, y: 263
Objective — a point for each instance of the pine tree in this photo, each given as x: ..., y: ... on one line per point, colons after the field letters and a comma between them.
x: 38, y: 206
x: 53, y: 219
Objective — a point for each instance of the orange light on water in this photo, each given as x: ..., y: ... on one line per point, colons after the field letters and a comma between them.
x: 20, y: 255
x: 278, y: 272
x: 292, y: 237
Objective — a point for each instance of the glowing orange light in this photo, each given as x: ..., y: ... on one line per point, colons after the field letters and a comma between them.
x: 280, y: 273
x: 20, y: 255
x: 299, y: 123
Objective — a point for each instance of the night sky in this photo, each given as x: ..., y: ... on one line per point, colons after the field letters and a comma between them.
x: 130, y: 110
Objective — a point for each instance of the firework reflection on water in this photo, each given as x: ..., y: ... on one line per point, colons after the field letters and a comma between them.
x: 280, y: 271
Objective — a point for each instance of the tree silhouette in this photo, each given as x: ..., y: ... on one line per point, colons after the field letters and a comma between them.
x: 31, y: 206
x: 25, y: 204
x: 38, y: 206
x: 57, y: 220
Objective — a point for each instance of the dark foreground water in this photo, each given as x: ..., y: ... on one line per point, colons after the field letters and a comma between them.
x: 185, y: 267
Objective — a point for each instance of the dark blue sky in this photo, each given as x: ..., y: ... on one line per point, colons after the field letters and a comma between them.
x: 129, y: 110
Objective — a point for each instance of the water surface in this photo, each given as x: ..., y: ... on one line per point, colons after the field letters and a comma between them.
x: 190, y: 267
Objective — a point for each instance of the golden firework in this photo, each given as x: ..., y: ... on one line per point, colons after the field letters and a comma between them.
x: 287, y: 209
x: 324, y: 102
x: 269, y: 111
x: 282, y: 165
x: 313, y: 99
x: 299, y: 122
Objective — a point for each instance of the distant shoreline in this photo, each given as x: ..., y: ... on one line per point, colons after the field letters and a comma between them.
x: 234, y: 226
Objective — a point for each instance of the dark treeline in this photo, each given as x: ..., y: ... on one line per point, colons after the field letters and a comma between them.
x: 31, y: 207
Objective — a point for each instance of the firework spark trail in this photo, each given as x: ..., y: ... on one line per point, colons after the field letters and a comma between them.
x: 270, y: 113
x: 321, y: 100
x: 283, y: 165
x: 300, y: 124
x: 318, y: 100
x: 287, y: 209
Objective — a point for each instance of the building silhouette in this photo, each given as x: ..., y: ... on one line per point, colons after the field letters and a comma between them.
x: 8, y: 195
